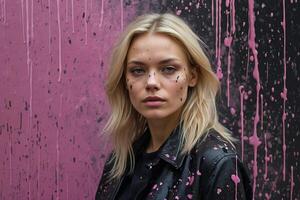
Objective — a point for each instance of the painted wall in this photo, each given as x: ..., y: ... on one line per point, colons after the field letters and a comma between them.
x: 53, y: 59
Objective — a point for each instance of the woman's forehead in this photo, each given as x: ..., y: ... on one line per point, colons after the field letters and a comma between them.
x: 154, y: 36
x: 155, y: 46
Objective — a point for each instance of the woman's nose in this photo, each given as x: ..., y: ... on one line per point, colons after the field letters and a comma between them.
x: 152, y: 81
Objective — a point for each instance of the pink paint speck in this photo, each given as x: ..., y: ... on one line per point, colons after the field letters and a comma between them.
x: 232, y: 111
x: 189, y: 196
x: 198, y: 173
x: 268, y: 196
x: 178, y: 12
x: 154, y: 187
x: 191, y: 180
x: 235, y: 178
x: 228, y: 41
x: 219, y: 191
x: 292, y: 183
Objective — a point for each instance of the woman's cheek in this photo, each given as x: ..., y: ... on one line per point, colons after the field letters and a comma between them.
x: 182, y: 92
x: 180, y: 85
x: 134, y: 89
x: 129, y: 84
x: 131, y: 91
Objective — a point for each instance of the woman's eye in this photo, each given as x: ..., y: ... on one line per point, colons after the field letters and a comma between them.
x: 168, y: 69
x: 137, y: 71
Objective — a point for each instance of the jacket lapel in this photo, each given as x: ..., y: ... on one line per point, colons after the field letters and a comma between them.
x: 169, y: 151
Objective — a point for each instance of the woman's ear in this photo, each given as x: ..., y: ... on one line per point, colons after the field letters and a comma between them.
x: 193, y: 79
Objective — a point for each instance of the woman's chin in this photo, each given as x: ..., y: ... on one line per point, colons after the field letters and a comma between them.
x: 154, y: 116
x: 159, y: 115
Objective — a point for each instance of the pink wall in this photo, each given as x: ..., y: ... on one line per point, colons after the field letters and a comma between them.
x: 53, y: 62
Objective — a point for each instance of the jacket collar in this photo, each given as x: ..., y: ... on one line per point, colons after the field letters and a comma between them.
x: 169, y: 151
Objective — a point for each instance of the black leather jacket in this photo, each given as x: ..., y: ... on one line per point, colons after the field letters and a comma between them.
x: 212, y: 170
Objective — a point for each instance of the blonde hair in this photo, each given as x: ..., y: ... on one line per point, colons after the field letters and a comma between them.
x: 199, y: 113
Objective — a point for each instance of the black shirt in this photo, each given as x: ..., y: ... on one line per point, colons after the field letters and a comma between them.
x: 136, y: 185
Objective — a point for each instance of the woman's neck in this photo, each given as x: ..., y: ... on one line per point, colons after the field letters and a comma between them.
x: 160, y: 131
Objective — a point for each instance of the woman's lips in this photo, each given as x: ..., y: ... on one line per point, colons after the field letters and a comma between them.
x: 153, y: 101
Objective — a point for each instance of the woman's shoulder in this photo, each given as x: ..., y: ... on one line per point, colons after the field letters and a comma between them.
x: 221, y: 167
x: 104, y: 186
x: 213, y: 149
x: 108, y: 165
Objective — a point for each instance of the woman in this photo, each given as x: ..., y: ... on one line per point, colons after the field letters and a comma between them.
x: 168, y: 142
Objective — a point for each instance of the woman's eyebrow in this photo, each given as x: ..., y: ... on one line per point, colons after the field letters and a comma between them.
x: 165, y: 61
x: 135, y: 62
x: 169, y: 60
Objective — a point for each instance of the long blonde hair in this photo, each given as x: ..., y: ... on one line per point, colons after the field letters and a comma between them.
x: 199, y: 113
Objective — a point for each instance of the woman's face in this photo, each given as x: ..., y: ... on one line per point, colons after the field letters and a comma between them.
x: 158, y: 76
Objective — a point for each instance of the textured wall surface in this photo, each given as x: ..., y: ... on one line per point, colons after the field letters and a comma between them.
x: 53, y: 59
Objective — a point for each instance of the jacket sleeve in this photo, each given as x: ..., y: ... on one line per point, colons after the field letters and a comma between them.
x: 228, y: 180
